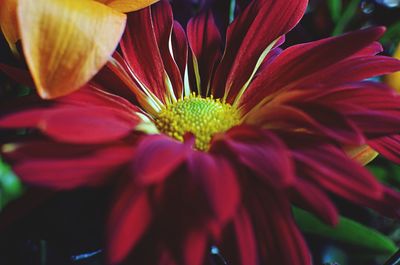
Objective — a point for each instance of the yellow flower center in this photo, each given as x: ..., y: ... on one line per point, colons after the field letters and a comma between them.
x: 202, y: 117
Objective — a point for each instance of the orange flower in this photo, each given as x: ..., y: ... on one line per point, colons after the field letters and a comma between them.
x: 65, y: 42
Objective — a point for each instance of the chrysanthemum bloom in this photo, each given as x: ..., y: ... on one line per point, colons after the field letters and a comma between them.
x: 213, y: 148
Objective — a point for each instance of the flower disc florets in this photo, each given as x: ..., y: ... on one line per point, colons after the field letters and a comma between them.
x: 202, y: 117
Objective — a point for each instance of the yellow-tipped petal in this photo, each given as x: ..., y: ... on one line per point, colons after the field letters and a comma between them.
x: 393, y: 80
x: 127, y: 5
x: 8, y: 22
x: 362, y: 154
x: 66, y: 42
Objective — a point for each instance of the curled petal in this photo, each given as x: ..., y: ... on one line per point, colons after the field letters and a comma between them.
x: 66, y: 42
x: 362, y: 154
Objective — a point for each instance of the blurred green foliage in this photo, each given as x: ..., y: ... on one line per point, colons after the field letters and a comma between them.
x: 10, y: 186
x: 347, y: 231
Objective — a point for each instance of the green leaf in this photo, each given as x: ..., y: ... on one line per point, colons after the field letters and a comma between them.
x: 392, y: 34
x: 335, y: 9
x: 10, y: 185
x: 346, y: 17
x: 347, y: 231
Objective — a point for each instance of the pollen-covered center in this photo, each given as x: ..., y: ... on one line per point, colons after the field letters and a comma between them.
x: 202, y: 117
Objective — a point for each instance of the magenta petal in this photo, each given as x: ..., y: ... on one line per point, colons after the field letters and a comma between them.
x: 216, y: 174
x: 285, y: 236
x: 299, y: 62
x: 261, y: 23
x: 206, y: 44
x: 263, y: 153
x: 140, y: 49
x: 75, y: 124
x: 280, y: 240
x: 163, y: 22
x: 179, y: 47
x: 71, y: 172
x: 156, y: 157
x: 130, y: 217
x: 313, y: 199
x: 388, y: 146
x: 194, y: 248
x: 245, y: 238
x: 331, y: 169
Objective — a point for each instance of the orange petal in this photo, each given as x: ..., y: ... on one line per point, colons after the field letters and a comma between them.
x: 66, y: 42
x: 8, y: 22
x: 393, y: 80
x: 362, y: 154
x: 127, y: 5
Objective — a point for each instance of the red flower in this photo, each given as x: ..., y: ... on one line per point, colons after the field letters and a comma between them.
x: 213, y: 148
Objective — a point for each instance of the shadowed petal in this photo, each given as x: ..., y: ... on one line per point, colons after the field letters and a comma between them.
x: 128, y: 221
x: 194, y: 248
x: 206, y: 44
x: 313, y: 199
x: 156, y: 157
x: 262, y: 152
x: 219, y: 182
x: 180, y: 47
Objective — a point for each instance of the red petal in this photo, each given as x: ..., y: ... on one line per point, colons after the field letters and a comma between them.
x: 388, y: 146
x: 301, y: 61
x: 157, y: 156
x: 76, y: 124
x: 286, y: 244
x: 162, y: 22
x: 194, y: 248
x: 130, y: 217
x: 313, y: 199
x: 67, y: 173
x: 313, y: 118
x: 263, y: 153
x: 245, y: 238
x: 140, y: 49
x: 99, y: 97
x: 180, y: 47
x: 205, y: 43
x: 333, y: 170
x: 21, y: 76
x: 219, y: 182
x: 260, y: 24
